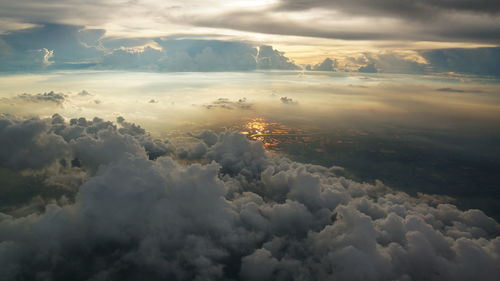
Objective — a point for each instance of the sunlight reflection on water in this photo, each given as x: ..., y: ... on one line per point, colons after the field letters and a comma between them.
x: 273, y: 135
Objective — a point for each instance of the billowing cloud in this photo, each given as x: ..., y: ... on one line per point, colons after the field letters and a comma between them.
x: 147, y: 59
x: 238, y: 213
x: 55, y: 46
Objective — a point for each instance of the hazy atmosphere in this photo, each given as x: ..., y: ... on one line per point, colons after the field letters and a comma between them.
x: 249, y: 140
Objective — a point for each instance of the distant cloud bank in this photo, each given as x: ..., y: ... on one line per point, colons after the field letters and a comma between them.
x: 65, y: 47
x: 52, y: 47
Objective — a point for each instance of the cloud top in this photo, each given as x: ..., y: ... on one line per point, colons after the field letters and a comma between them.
x: 234, y: 212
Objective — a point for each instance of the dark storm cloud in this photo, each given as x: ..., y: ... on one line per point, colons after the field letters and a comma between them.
x: 238, y: 214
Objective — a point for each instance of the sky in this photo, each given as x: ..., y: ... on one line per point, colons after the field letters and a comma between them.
x: 382, y: 35
x: 261, y: 140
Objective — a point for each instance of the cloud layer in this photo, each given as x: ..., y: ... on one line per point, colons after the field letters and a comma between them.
x: 55, y: 46
x: 420, y: 20
x: 68, y: 47
x: 232, y: 212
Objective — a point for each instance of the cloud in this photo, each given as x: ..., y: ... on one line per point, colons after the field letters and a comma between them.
x: 207, y: 55
x: 29, y: 144
x: 225, y: 103
x: 49, y: 46
x: 395, y: 8
x: 369, y: 68
x: 84, y: 93
x: 57, y: 46
x: 367, y: 20
x: 238, y: 213
x: 269, y: 58
x: 287, y: 100
x: 480, y: 61
x: 147, y: 59
x: 420, y: 20
x: 477, y: 61
x: 453, y: 90
x: 326, y: 65
x: 39, y: 143
x: 51, y: 96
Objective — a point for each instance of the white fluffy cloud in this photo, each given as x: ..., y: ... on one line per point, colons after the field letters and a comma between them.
x: 238, y: 213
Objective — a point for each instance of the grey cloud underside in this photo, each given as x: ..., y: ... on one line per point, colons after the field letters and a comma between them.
x: 66, y: 11
x: 446, y: 28
x: 234, y: 213
x: 263, y: 22
x: 415, y: 8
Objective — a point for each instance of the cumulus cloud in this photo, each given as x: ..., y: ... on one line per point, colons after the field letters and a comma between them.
x: 238, y: 213
x: 179, y: 55
x: 29, y: 144
x: 481, y: 61
x: 369, y: 68
x: 146, y: 59
x: 57, y: 46
x: 225, y: 103
x: 51, y: 96
x: 269, y: 58
x: 326, y: 65
x: 84, y: 93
